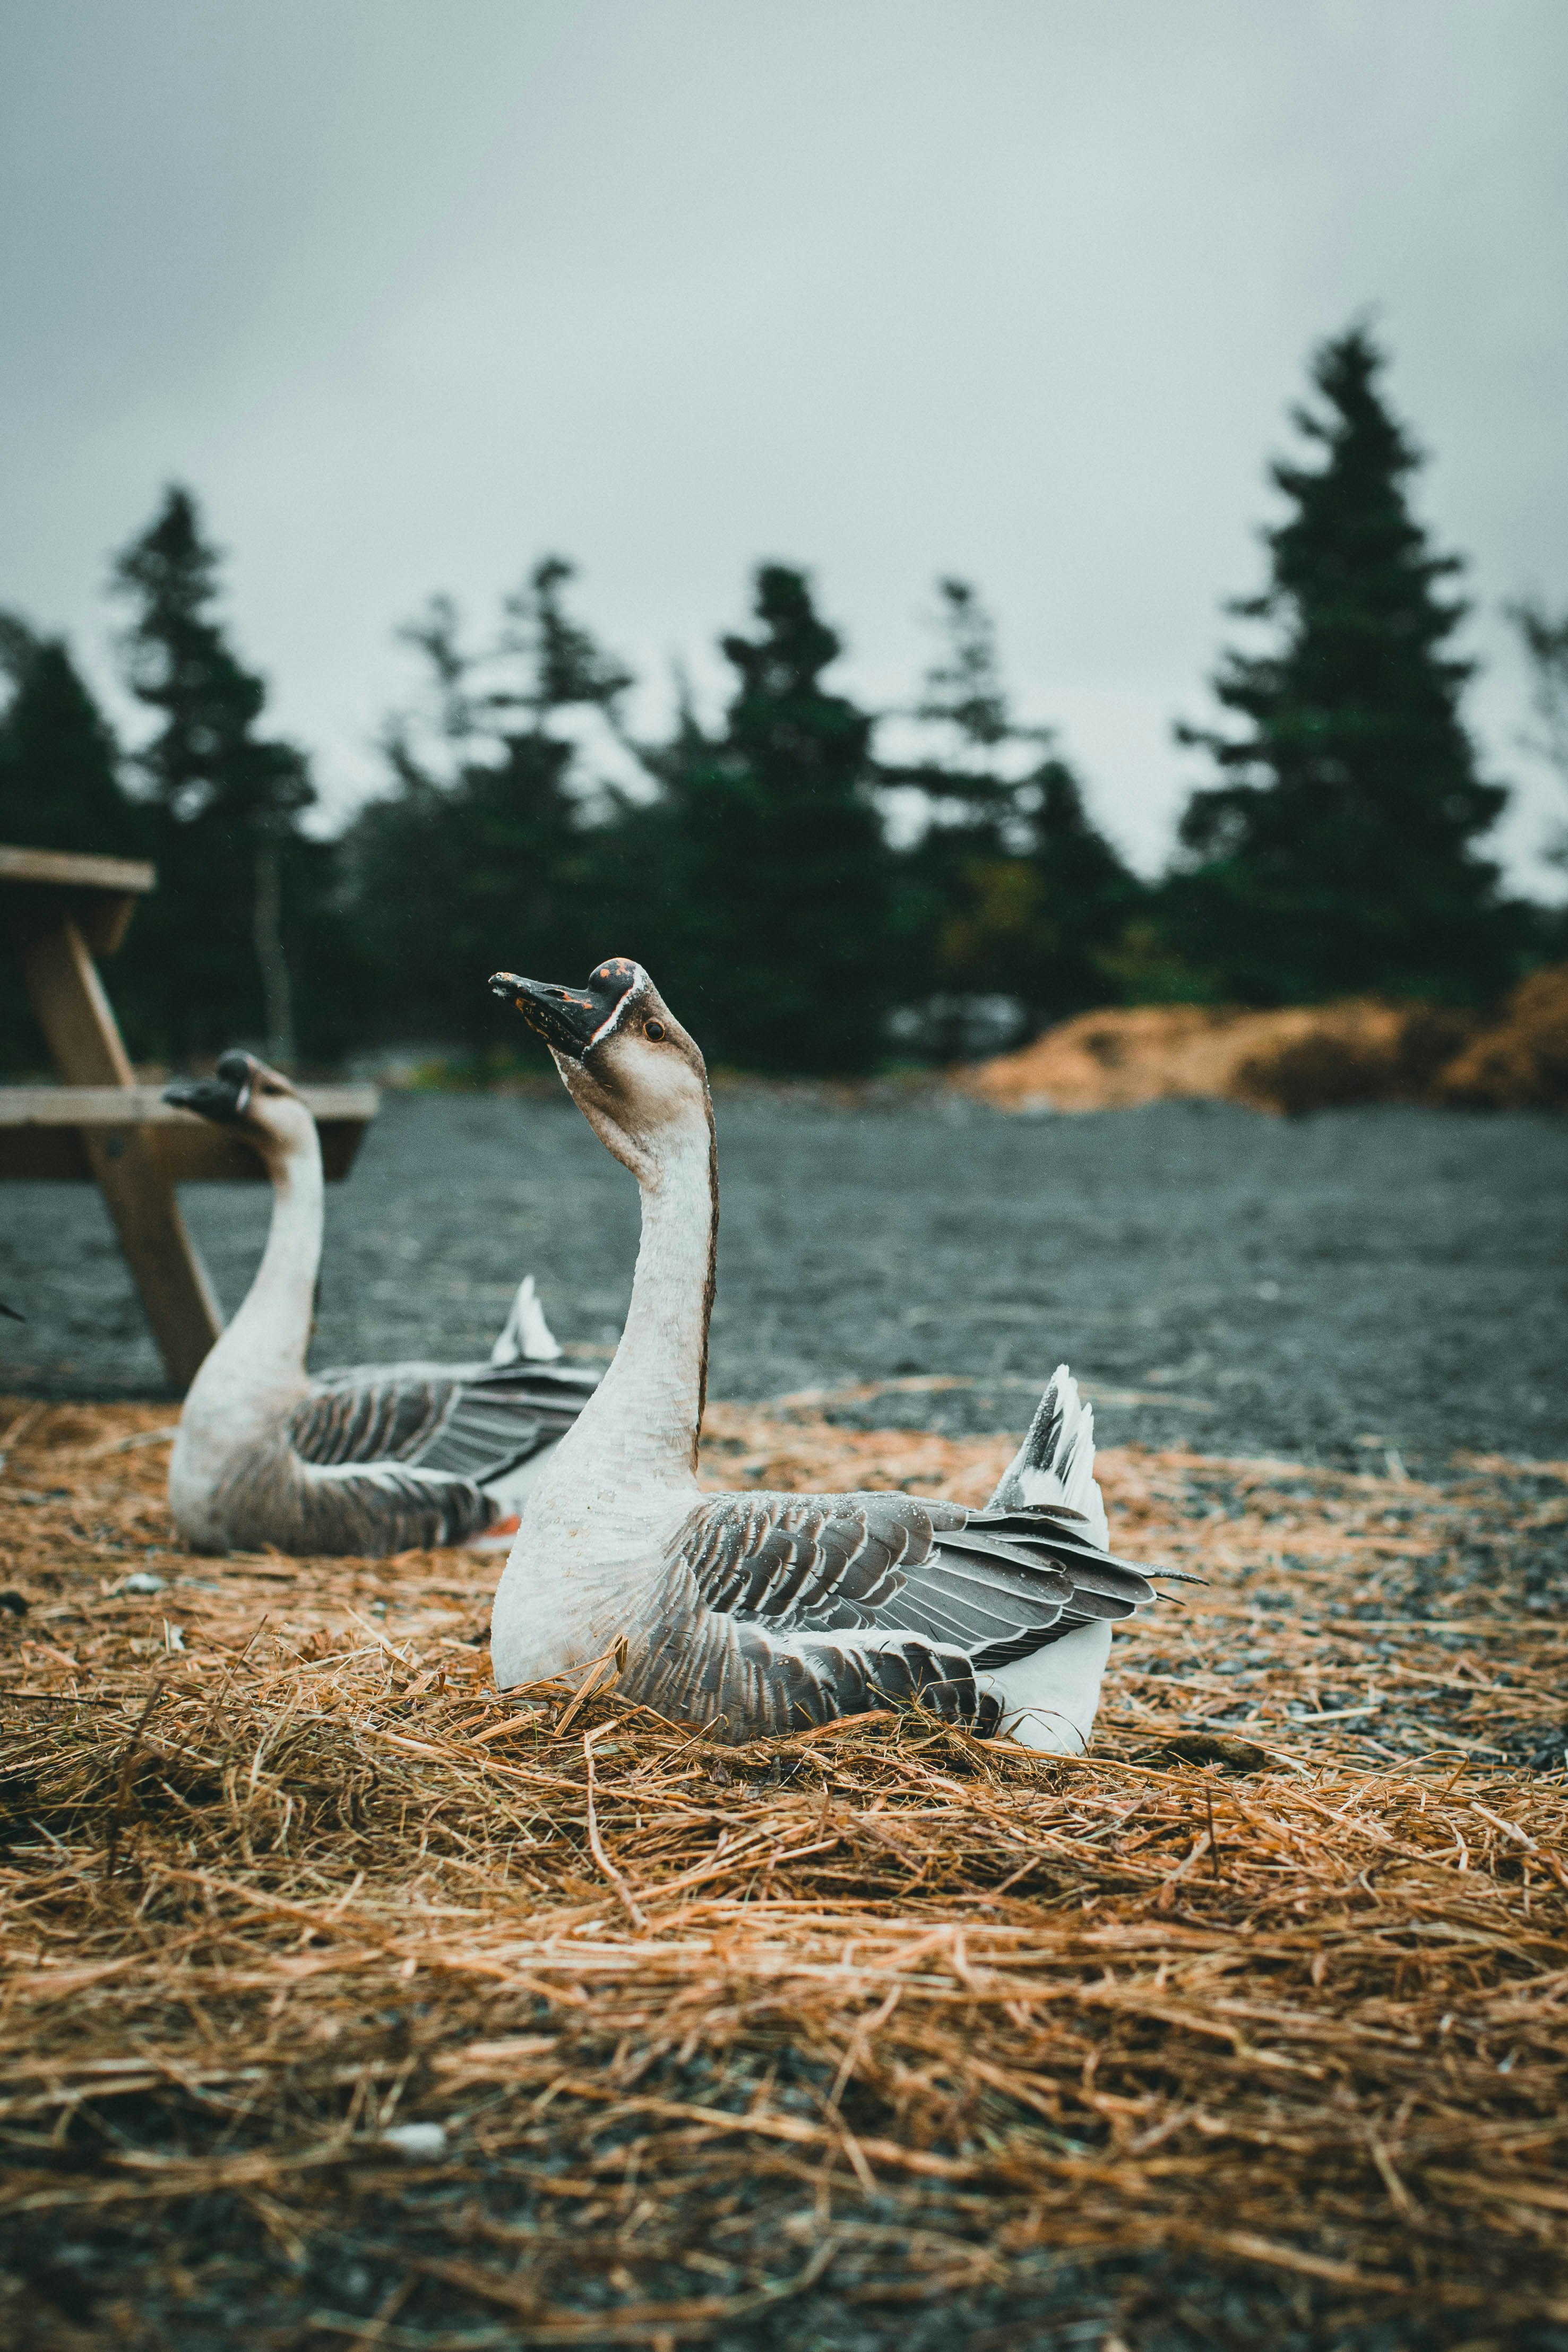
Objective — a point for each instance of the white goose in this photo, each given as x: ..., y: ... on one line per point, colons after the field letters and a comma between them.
x: 374, y: 1459
x: 757, y: 1612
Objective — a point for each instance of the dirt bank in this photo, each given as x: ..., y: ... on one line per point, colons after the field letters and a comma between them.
x: 1299, y: 1058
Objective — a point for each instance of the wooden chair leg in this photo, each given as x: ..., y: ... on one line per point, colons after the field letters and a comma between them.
x: 84, y: 1040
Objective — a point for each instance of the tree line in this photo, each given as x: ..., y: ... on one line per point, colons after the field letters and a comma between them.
x: 810, y: 901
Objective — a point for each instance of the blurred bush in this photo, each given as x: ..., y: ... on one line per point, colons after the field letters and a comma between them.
x: 1299, y: 1059
x: 1296, y: 1059
x: 1522, y: 1062
x: 1356, y: 1053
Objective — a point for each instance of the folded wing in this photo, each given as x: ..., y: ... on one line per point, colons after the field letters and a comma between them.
x: 997, y: 1584
x: 473, y: 1423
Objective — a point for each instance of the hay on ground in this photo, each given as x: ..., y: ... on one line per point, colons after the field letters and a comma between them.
x: 346, y: 1995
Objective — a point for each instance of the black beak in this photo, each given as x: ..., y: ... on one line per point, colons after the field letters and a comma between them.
x: 568, y: 1019
x: 225, y: 1097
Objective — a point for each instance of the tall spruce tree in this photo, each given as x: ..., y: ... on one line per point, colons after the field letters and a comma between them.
x: 1339, y: 853
x: 1543, y: 638
x: 772, y: 878
x: 59, y: 764
x: 1009, y: 889
x: 60, y: 789
x: 480, y: 856
x: 240, y: 889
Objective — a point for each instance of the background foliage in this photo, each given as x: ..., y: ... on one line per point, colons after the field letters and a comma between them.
x: 810, y: 901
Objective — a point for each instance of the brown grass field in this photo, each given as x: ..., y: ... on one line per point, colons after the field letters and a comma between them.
x: 1265, y: 2002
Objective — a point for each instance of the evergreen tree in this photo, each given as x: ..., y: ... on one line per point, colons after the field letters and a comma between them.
x: 60, y: 789
x: 564, y: 667
x: 59, y: 764
x: 1543, y: 635
x: 242, y: 895
x: 481, y: 857
x: 769, y: 891
x: 1010, y: 890
x: 1339, y: 853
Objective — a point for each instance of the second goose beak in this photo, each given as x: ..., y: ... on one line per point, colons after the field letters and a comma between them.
x: 224, y: 1099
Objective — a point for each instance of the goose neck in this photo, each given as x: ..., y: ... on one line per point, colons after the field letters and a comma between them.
x: 268, y: 1336
x: 654, y: 1392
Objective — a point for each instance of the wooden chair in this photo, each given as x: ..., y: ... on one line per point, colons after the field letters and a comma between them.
x: 64, y: 912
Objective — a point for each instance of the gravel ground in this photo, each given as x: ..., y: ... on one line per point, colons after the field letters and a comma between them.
x: 1379, y: 1279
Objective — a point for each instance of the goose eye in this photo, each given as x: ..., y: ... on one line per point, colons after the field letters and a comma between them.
x: 654, y: 1029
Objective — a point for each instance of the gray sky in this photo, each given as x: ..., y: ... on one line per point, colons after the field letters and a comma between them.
x: 410, y: 290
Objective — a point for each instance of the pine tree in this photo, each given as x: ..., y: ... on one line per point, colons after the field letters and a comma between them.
x: 240, y: 888
x: 564, y: 666
x: 1544, y: 636
x: 60, y: 789
x: 481, y: 857
x: 1010, y: 891
x: 1338, y: 854
x: 769, y: 877
x: 59, y: 764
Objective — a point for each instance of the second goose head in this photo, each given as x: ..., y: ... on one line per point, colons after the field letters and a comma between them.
x: 626, y: 1061
x: 244, y: 1094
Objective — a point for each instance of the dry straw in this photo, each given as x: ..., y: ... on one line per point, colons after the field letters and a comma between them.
x: 1272, y: 1988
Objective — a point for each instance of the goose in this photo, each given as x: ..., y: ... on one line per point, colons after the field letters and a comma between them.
x: 370, y: 1459
x: 757, y: 1613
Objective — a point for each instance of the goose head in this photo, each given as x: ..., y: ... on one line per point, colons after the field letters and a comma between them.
x: 624, y: 1058
x: 243, y: 1093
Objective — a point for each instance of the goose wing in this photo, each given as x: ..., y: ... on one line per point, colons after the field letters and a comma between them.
x: 996, y: 1584
x: 377, y: 1508
x: 473, y: 1423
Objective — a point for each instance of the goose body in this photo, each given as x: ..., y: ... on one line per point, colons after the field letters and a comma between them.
x: 371, y: 1459
x: 758, y: 1613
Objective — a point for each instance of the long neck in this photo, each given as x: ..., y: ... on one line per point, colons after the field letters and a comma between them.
x: 263, y: 1349
x: 647, y: 1410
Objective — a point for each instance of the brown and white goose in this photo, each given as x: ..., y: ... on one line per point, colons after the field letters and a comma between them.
x: 758, y: 1612
x: 373, y: 1459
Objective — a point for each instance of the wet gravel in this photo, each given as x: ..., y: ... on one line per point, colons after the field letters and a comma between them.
x: 117, y: 2286
x: 1353, y: 1284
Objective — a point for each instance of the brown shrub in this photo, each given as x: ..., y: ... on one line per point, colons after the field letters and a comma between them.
x: 1320, y: 1071
x: 1356, y: 1054
x: 1300, y: 1058
x: 1522, y: 1063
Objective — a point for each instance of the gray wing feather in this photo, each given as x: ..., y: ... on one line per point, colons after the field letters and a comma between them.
x: 745, y: 1679
x: 994, y: 1584
x: 803, y: 1560
x: 371, y: 1509
x: 474, y: 1422
x: 388, y: 1506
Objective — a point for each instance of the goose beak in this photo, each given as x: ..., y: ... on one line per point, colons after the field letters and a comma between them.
x: 225, y: 1097
x: 569, y: 1020
x: 566, y: 1018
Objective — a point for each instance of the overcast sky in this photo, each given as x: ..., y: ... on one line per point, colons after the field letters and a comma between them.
x: 410, y: 290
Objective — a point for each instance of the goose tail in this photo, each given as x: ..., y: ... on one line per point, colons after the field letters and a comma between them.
x: 1056, y: 1461
x: 1049, y: 1699
x: 525, y: 1336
